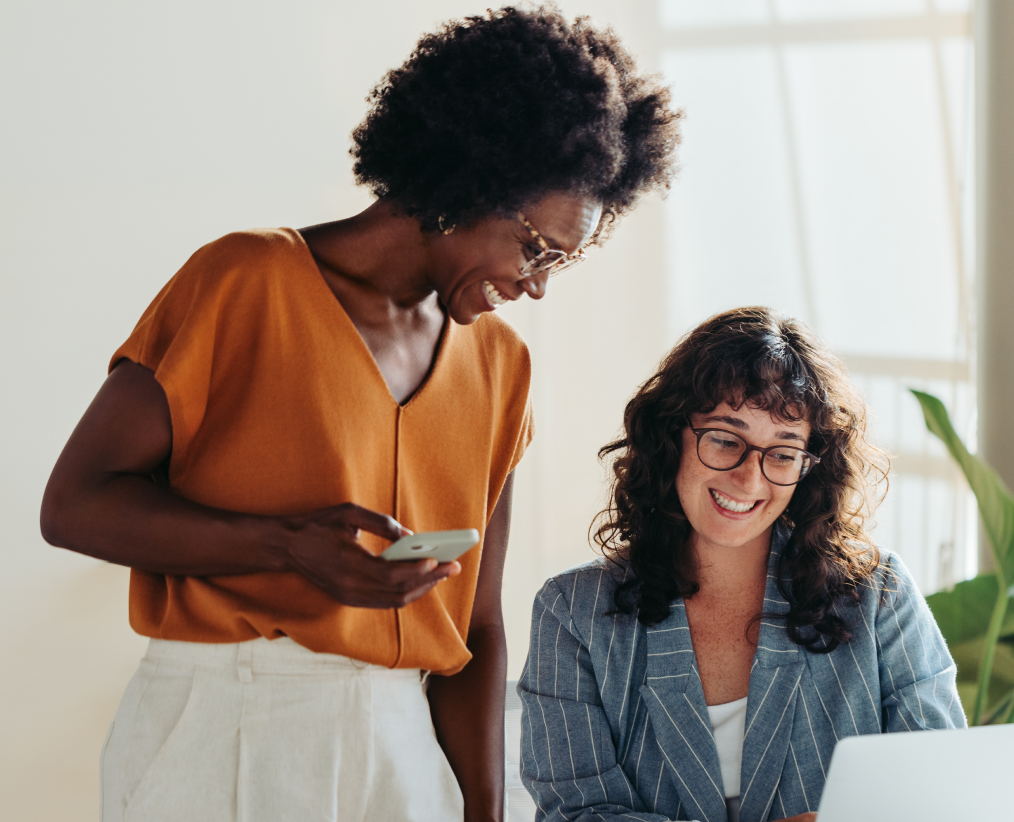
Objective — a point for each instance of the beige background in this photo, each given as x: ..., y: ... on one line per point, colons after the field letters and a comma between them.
x: 133, y: 134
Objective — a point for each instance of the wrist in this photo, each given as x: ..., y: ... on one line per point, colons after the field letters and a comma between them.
x: 272, y: 537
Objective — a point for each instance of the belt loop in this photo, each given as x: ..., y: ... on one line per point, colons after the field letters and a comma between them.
x: 244, y: 662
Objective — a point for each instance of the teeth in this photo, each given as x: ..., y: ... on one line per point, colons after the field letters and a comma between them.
x: 730, y: 505
x: 495, y: 296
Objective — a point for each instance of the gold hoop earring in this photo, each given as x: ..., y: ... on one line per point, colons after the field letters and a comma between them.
x: 440, y: 225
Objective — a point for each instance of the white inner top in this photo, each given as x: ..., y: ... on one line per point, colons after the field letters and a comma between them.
x: 728, y: 722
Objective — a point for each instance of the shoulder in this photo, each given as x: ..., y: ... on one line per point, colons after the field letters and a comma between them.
x: 886, y: 576
x: 244, y: 267
x: 499, y: 338
x: 888, y: 583
x: 254, y: 244
x: 584, y: 593
x: 595, y: 576
x: 250, y: 250
x: 230, y: 273
x: 890, y: 607
x: 490, y: 356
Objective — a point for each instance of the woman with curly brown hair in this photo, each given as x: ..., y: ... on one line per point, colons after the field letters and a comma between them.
x: 294, y: 399
x: 741, y: 622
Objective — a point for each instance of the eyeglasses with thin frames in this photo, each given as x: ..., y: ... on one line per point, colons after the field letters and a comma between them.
x: 722, y: 450
x: 549, y: 260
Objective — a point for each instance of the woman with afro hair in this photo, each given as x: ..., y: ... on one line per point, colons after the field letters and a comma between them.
x: 741, y: 621
x: 294, y: 400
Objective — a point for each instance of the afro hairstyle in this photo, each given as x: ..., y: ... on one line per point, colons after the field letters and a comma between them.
x: 491, y: 113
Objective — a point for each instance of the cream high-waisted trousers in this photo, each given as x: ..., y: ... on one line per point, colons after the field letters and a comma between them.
x: 271, y: 732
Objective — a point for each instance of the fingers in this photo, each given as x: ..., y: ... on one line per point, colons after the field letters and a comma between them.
x: 403, y: 577
x: 330, y: 555
x: 415, y: 587
x: 396, y: 590
x: 435, y: 573
x: 417, y: 570
x: 391, y: 578
x: 355, y: 517
x: 410, y: 580
x: 418, y: 593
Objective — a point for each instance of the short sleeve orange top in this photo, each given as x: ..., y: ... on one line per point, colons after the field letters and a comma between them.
x: 279, y: 408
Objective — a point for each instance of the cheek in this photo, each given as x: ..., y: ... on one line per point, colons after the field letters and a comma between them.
x: 781, y: 500
x: 689, y: 481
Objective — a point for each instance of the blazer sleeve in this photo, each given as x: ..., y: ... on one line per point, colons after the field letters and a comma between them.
x: 568, y: 758
x: 917, y: 673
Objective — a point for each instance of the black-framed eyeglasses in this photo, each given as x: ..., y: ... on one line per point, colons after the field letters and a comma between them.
x: 723, y: 450
x: 548, y: 259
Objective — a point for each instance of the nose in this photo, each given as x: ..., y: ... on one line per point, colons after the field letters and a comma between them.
x: 534, y: 285
x: 749, y: 475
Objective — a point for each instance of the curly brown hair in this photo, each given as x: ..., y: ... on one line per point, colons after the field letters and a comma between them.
x: 493, y: 112
x: 771, y: 362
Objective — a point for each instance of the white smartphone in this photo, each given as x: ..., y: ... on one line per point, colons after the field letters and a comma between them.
x: 443, y: 546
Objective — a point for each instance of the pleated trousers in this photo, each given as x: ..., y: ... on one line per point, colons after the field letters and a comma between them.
x: 268, y: 731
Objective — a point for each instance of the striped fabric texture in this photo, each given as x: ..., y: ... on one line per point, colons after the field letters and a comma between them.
x: 615, y: 727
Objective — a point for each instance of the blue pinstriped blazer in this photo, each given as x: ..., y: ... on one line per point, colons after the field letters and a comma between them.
x: 615, y: 727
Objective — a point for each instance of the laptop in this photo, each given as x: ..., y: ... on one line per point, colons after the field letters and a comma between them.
x: 924, y: 776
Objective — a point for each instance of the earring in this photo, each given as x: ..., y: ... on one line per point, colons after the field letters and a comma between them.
x: 440, y: 225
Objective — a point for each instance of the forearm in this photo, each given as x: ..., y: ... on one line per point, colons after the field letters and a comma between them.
x: 468, y: 711
x: 102, y: 501
x: 128, y: 520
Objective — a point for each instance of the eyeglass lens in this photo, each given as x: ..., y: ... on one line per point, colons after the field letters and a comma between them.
x: 723, y: 450
x: 550, y: 260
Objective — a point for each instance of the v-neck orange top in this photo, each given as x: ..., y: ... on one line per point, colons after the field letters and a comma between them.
x: 279, y: 408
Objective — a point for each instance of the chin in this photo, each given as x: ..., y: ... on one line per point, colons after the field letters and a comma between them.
x: 733, y: 543
x: 732, y: 540
x: 463, y: 317
x: 465, y: 311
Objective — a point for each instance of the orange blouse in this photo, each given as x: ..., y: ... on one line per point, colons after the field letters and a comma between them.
x: 278, y: 408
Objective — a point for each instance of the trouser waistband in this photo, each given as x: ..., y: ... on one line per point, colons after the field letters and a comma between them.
x: 263, y: 656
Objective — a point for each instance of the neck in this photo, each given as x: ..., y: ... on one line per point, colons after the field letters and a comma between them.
x: 721, y: 568
x: 380, y: 253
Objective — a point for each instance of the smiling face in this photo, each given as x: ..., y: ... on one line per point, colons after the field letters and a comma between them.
x: 479, y: 267
x: 737, y: 508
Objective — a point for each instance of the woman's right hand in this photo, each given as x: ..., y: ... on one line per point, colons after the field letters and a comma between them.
x: 325, y: 548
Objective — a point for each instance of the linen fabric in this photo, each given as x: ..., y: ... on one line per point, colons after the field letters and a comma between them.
x: 615, y: 726
x: 278, y: 408
x: 268, y: 731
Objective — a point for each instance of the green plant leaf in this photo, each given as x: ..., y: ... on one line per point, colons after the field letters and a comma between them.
x: 996, y: 503
x: 968, y: 657
x: 968, y: 654
x: 998, y: 713
x: 963, y: 612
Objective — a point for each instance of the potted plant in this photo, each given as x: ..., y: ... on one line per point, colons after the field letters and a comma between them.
x: 976, y: 617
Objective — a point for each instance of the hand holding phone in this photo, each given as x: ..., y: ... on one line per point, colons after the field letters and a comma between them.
x: 324, y: 547
x: 443, y: 546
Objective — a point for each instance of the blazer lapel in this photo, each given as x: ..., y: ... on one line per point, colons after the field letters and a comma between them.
x: 674, y: 697
x: 774, y: 686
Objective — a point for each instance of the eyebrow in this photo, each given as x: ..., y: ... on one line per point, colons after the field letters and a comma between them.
x: 736, y: 422
x: 552, y: 242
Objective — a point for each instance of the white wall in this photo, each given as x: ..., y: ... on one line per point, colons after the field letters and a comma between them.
x: 132, y: 134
